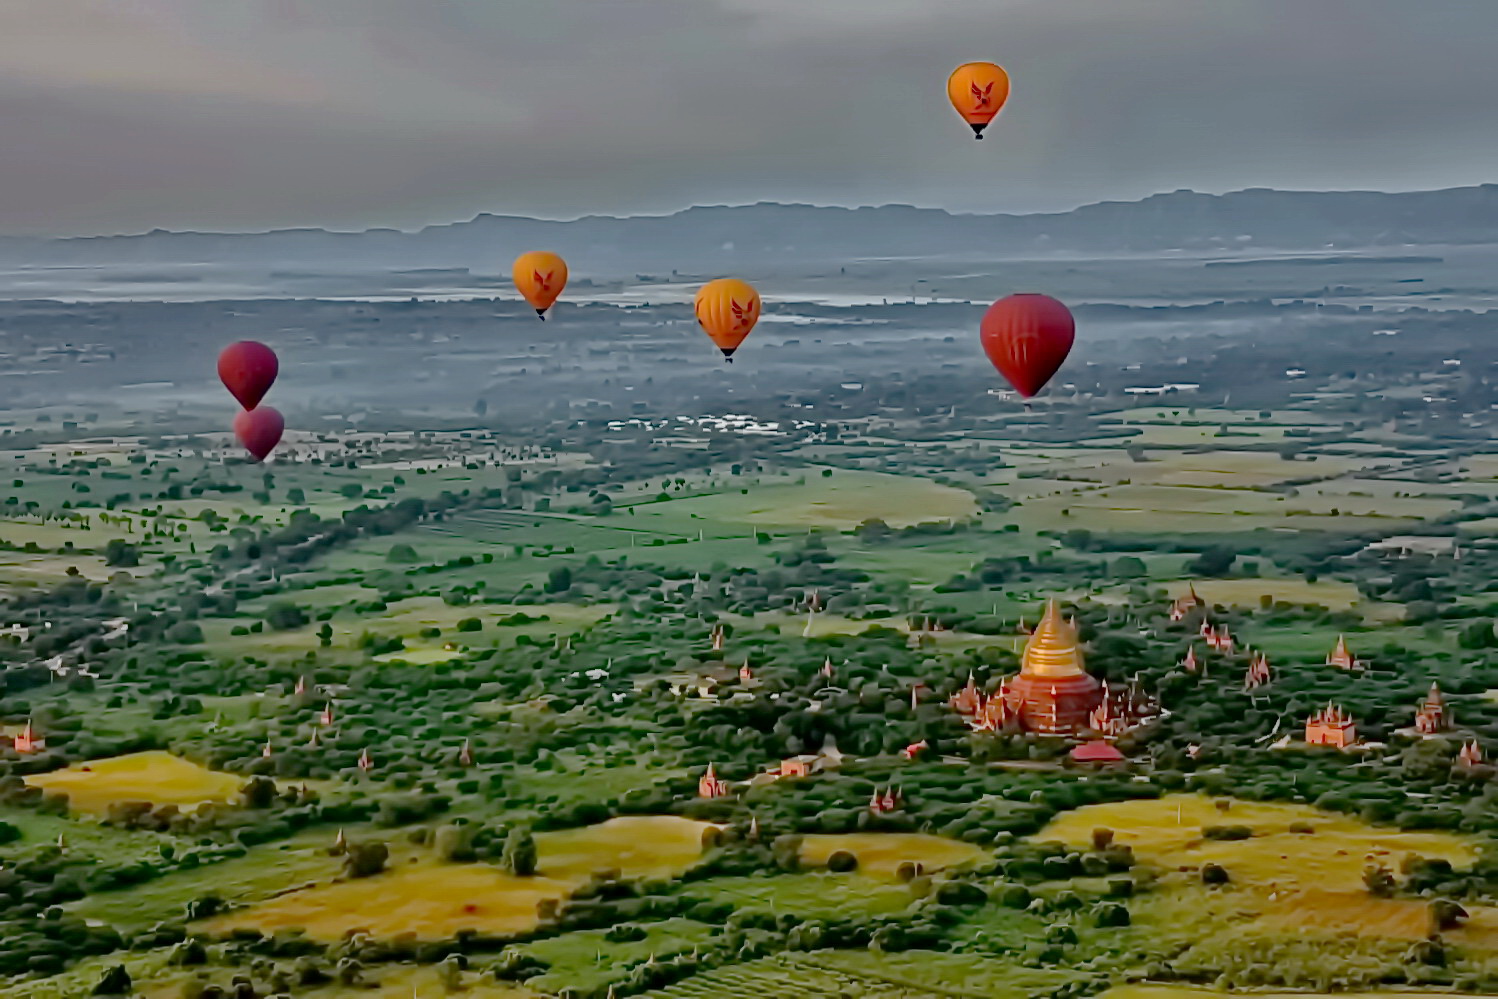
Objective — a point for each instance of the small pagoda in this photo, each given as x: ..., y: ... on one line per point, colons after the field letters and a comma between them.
x: 1258, y: 672
x: 1432, y: 715
x: 711, y: 785
x: 1341, y: 656
x: 1331, y: 726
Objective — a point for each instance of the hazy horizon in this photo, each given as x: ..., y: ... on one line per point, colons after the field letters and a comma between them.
x: 348, y: 115
x: 670, y: 212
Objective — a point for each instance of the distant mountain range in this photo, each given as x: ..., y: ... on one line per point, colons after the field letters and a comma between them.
x: 701, y: 238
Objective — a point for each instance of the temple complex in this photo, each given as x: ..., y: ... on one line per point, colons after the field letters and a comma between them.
x: 1331, y: 726
x: 1432, y: 715
x: 1053, y: 694
x: 1220, y: 641
x: 1189, y: 664
x: 887, y: 801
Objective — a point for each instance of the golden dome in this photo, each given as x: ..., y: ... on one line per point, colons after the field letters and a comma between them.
x: 1052, y: 650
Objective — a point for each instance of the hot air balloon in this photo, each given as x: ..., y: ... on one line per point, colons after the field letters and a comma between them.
x: 978, y: 90
x: 259, y: 430
x: 1027, y: 337
x: 727, y: 310
x: 540, y: 277
x: 247, y: 369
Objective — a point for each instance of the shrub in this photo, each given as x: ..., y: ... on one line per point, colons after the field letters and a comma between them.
x: 841, y: 862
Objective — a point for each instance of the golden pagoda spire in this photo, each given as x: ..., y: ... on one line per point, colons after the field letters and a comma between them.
x: 1052, y: 650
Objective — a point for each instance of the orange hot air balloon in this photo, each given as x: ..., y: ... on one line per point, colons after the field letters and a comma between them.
x: 727, y: 310
x: 540, y: 277
x: 1027, y: 337
x: 978, y: 91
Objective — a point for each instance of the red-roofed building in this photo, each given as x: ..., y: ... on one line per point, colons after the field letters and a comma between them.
x: 1096, y: 751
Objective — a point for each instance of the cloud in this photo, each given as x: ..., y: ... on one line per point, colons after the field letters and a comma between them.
x: 124, y: 115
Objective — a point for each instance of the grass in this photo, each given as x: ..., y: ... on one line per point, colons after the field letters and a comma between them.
x: 426, y: 899
x: 830, y: 974
x: 841, y: 501
x: 84, y: 838
x: 1284, y: 885
x: 1146, y: 991
x: 1332, y: 594
x: 636, y: 846
x: 880, y: 854
x: 813, y: 894
x: 153, y: 978
x: 1168, y: 832
x: 585, y: 959
x: 436, y: 900
x: 263, y: 871
x: 157, y: 777
x: 405, y: 619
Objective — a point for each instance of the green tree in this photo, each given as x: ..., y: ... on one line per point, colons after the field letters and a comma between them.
x: 1477, y: 635
x: 519, y: 856
x: 285, y: 615
x: 121, y: 553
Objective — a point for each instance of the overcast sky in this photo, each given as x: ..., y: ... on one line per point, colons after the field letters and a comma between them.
x: 128, y: 115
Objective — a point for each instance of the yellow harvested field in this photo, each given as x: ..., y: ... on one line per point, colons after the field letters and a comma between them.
x: 380, y: 982
x: 1168, y: 832
x: 1314, y: 910
x: 1226, y: 468
x: 1180, y: 509
x: 880, y: 854
x: 429, y: 900
x: 1144, y: 991
x: 841, y: 501
x: 436, y: 900
x: 156, y: 776
x: 635, y: 845
x: 822, y: 625
x: 405, y: 619
x: 1292, y: 589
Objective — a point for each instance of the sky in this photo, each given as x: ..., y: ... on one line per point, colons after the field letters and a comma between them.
x: 244, y: 115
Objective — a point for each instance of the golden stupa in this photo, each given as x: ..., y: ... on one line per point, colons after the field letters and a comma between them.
x: 1052, y: 650
x: 1053, y: 693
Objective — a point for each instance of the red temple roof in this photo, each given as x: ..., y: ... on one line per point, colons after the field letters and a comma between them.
x: 1096, y: 751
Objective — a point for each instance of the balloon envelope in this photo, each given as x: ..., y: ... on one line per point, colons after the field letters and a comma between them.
x: 978, y: 91
x: 1027, y: 337
x: 727, y: 310
x: 248, y: 369
x: 540, y: 278
x: 259, y: 430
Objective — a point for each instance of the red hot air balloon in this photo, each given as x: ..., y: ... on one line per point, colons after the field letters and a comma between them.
x: 1027, y: 337
x: 248, y: 369
x: 259, y: 430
